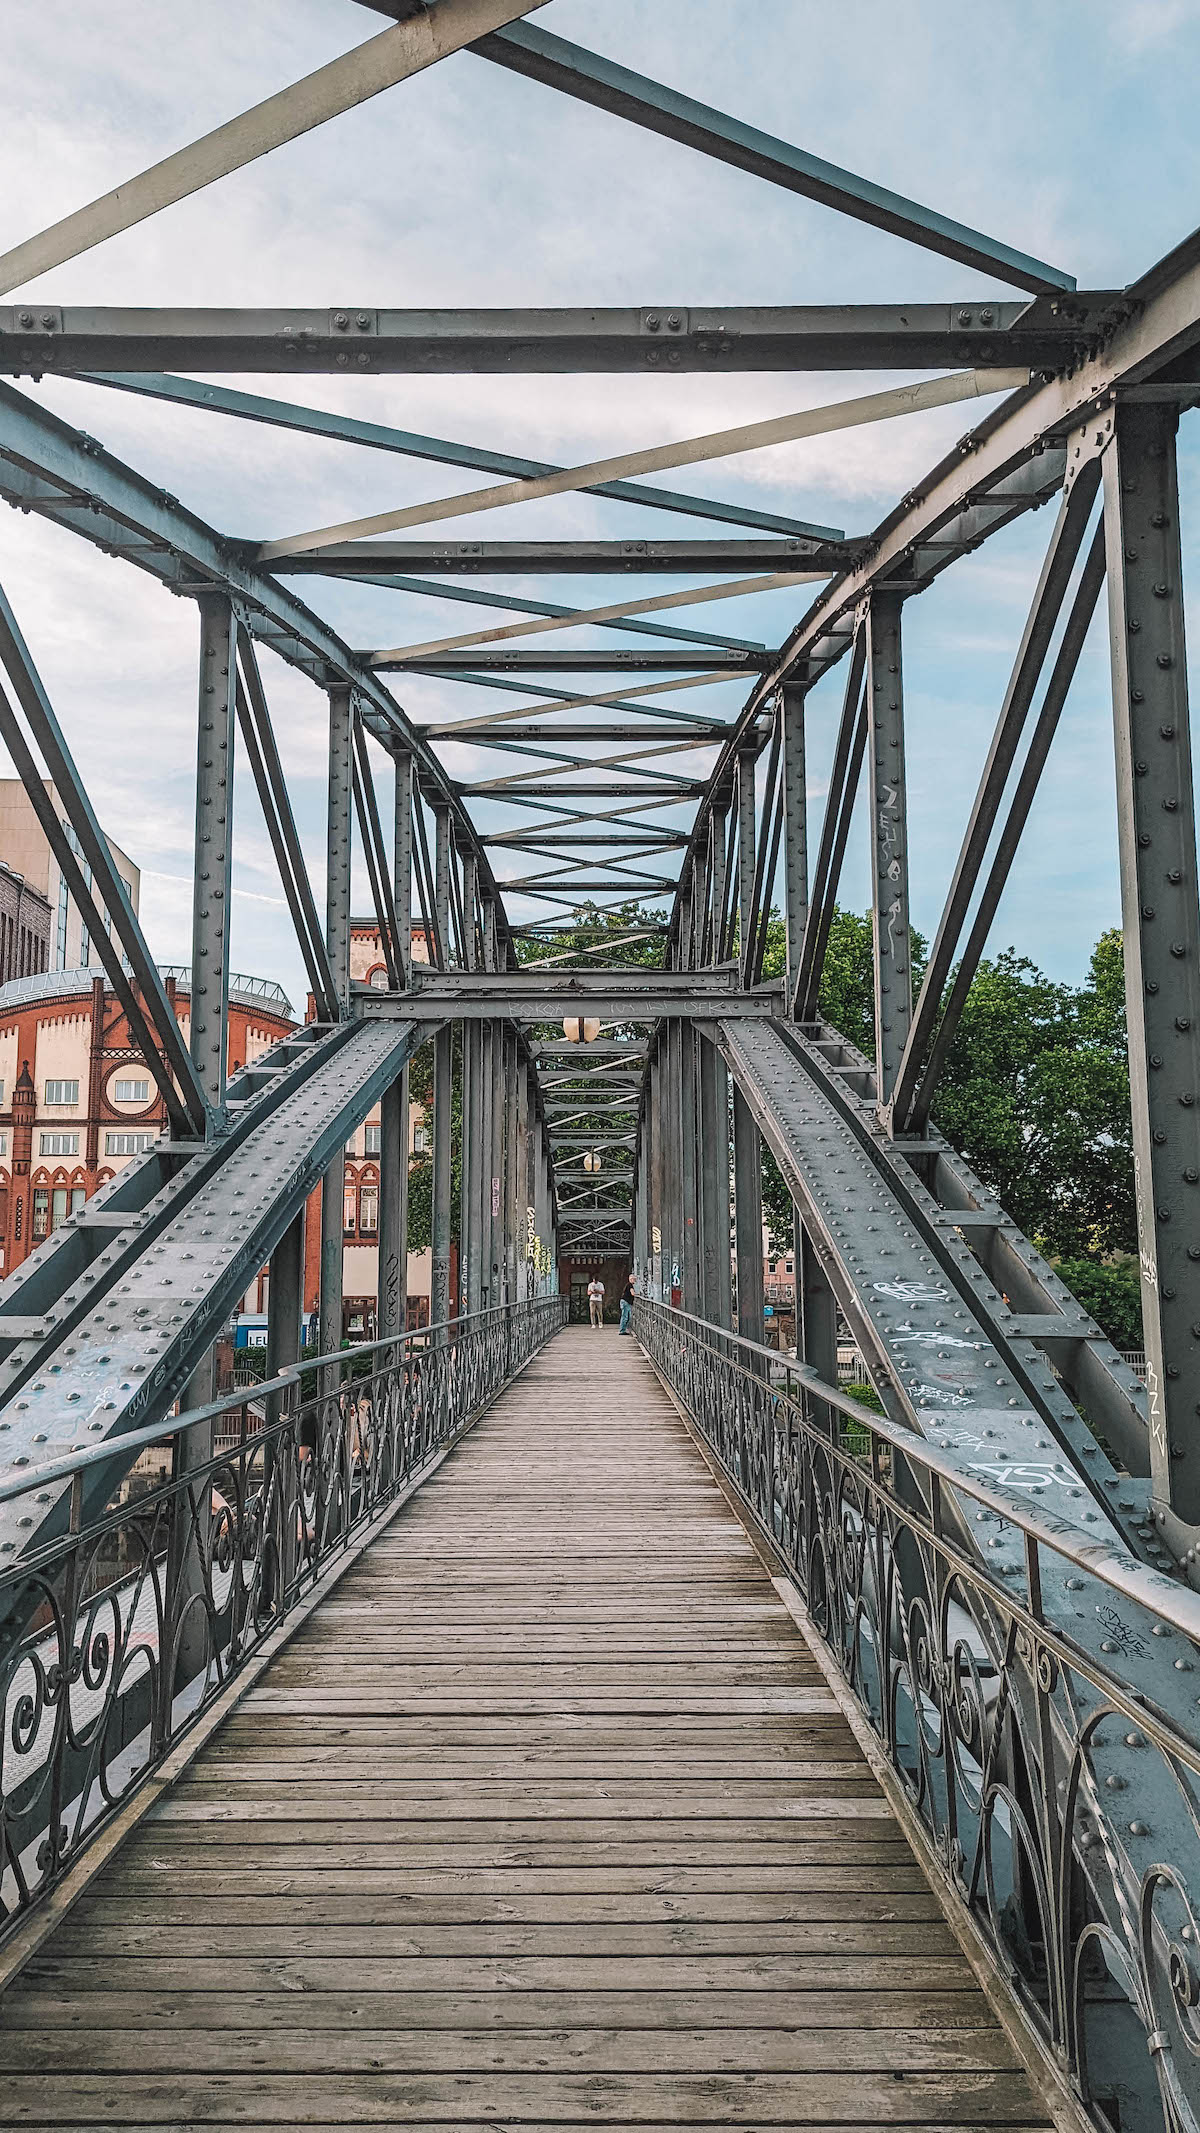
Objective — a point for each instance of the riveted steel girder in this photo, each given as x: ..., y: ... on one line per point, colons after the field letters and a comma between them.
x: 372, y: 341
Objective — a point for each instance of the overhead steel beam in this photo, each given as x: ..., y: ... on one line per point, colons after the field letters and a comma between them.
x: 561, y: 617
x: 725, y: 662
x: 566, y: 618
x: 416, y: 42
x: 373, y: 340
x: 619, y: 699
x: 411, y: 444
x: 526, y: 48
x: 703, y: 735
x: 50, y: 468
x: 867, y: 408
x: 528, y: 558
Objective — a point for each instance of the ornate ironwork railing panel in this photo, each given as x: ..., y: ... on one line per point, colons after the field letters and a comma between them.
x: 1061, y: 1809
x: 117, y: 1634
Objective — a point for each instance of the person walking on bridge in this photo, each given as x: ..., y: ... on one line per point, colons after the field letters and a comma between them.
x: 596, y: 1300
x: 627, y: 1306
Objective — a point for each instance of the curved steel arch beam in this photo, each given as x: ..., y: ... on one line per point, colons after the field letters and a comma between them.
x: 64, y: 475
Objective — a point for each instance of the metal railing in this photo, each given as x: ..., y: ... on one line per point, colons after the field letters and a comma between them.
x: 118, y: 1632
x: 1058, y: 1804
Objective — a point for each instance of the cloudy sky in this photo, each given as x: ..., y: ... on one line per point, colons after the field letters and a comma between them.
x: 1069, y: 132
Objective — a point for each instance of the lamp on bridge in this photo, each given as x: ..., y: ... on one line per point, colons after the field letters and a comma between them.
x: 591, y: 1161
x: 580, y: 1029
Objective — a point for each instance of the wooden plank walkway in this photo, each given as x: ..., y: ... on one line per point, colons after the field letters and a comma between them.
x: 545, y: 1818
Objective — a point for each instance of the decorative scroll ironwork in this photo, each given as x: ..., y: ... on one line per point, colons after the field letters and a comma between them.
x: 1036, y: 1783
x: 116, y: 1635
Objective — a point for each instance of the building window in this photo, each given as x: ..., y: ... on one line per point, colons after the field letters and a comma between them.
x: 787, y: 1266
x: 58, y: 1206
x: 130, y: 1092
x: 60, y: 1144
x: 368, y: 1209
x: 78, y: 1198
x: 128, y: 1143
x: 371, y: 1139
x: 41, y: 1213
x: 3, y: 1144
x: 378, y: 980
x: 420, y: 1140
x: 349, y: 1210
x: 1, y: 1092
x: 62, y: 1092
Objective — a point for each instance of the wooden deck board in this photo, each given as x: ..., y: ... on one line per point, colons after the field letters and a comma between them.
x: 547, y: 1818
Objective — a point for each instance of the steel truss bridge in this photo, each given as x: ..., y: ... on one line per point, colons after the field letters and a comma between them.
x: 998, y: 1573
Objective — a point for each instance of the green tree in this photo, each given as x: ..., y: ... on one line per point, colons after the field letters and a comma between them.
x: 1035, y: 1094
x: 1112, y: 1291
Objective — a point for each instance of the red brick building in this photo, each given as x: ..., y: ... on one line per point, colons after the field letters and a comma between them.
x: 77, y: 1099
x: 360, y: 1201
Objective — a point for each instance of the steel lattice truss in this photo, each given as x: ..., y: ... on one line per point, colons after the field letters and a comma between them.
x: 595, y: 800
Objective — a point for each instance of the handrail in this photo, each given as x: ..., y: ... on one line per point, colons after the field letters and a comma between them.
x: 117, y: 1634
x: 1044, y: 1747
x: 1105, y: 1558
x: 17, y: 1482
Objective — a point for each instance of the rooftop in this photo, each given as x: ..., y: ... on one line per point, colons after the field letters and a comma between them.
x: 66, y: 984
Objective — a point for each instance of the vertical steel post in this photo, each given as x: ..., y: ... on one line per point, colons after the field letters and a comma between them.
x: 688, y: 1108
x: 1157, y: 837
x: 683, y: 945
x: 337, y: 941
x: 468, y: 1039
x: 499, y: 1145
x: 393, y: 1135
x: 816, y: 1313
x: 439, y: 1301
x: 487, y: 1095
x: 517, y: 1099
x: 889, y: 838
x: 212, y: 879
x: 285, y: 1300
x: 658, y: 1218
x: 719, y: 881
x: 747, y: 1215
x: 795, y: 830
x: 285, y: 1311
x: 746, y: 766
x: 699, y: 914
x: 713, y: 1157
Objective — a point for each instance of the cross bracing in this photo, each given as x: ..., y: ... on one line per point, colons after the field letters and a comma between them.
x: 662, y: 764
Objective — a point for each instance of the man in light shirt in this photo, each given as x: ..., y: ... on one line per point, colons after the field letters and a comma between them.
x: 596, y: 1300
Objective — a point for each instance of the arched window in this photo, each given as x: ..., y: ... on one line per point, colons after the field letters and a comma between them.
x: 368, y: 1207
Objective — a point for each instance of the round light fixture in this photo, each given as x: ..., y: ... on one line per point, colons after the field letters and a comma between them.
x: 580, y: 1029
x: 591, y: 1161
